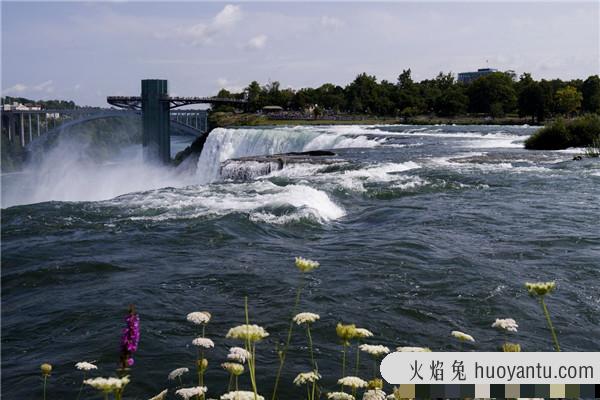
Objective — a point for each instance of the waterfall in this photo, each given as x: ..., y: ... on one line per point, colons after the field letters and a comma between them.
x: 226, y: 143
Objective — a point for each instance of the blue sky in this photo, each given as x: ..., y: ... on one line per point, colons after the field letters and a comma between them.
x: 86, y: 51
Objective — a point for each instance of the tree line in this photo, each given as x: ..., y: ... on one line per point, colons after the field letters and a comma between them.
x: 45, y: 104
x: 496, y: 94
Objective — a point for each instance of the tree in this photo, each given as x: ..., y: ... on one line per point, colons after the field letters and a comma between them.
x: 362, y: 94
x: 497, y: 89
x: 254, y: 91
x: 568, y: 100
x: 590, y: 90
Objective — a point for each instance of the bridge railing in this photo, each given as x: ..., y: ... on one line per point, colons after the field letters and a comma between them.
x: 26, y: 125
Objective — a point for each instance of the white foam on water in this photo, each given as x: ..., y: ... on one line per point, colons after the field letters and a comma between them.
x: 445, y: 162
x: 355, y: 180
x: 258, y: 199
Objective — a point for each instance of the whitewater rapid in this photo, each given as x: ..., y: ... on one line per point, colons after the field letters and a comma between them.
x: 371, y: 161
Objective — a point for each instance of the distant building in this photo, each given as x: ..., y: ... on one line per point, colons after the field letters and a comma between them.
x: 468, y: 77
x: 272, y: 109
x: 21, y: 107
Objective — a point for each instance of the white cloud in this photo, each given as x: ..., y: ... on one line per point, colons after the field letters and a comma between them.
x: 228, y: 17
x: 332, y: 23
x: 257, y: 42
x: 203, y: 33
x: 44, y: 87
x: 18, y: 88
x: 223, y: 83
x: 21, y: 88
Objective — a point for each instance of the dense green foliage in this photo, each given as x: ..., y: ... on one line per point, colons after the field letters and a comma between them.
x: 496, y: 95
x: 561, y: 134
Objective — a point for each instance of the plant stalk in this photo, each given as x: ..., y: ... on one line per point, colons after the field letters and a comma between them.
x: 547, y: 314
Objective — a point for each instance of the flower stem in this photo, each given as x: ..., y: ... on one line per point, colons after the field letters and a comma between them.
x: 357, y: 359
x: 45, y: 379
x: 251, y: 347
x: 343, y: 362
x: 310, y: 348
x: 81, y: 387
x: 289, y: 337
x: 547, y: 314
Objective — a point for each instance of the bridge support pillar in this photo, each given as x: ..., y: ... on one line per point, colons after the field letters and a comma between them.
x: 156, y: 138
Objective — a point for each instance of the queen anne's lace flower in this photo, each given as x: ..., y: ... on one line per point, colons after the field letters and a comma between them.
x: 203, y: 342
x: 107, y: 384
x: 85, y: 366
x: 252, y: 333
x: 233, y: 368
x: 160, y: 396
x: 507, y: 324
x: 374, y: 350
x: 540, y: 288
x: 353, y: 382
x: 199, y: 317
x: 339, y: 396
x: 241, y: 395
x: 363, y: 333
x: 238, y: 354
x: 374, y: 394
x: 176, y: 373
x: 306, y: 265
x: 463, y: 337
x: 345, y: 332
x: 306, y: 377
x: 306, y: 318
x: 409, y: 349
x: 188, y: 393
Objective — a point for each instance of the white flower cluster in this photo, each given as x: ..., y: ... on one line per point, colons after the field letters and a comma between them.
x: 199, y: 317
x: 306, y: 377
x: 540, y: 288
x: 508, y: 324
x: 252, y: 333
x: 233, y: 368
x: 176, y: 373
x: 306, y: 265
x: 409, y: 349
x: 241, y: 395
x: 353, y: 382
x: 374, y: 350
x: 188, y: 393
x: 463, y: 337
x: 306, y: 318
x: 85, y: 366
x: 238, y: 354
x: 339, y: 396
x: 374, y: 394
x: 203, y: 342
x: 161, y: 396
x: 107, y: 384
x: 362, y: 333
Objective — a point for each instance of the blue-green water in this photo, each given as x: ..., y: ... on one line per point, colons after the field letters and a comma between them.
x: 419, y: 231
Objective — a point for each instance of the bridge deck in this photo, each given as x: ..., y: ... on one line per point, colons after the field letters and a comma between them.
x: 135, y: 102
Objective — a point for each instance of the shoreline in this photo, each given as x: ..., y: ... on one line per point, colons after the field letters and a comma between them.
x: 228, y: 119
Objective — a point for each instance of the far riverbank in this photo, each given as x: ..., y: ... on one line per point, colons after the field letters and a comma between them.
x: 222, y: 119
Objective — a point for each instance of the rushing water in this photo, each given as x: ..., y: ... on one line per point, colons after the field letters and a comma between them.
x: 419, y: 231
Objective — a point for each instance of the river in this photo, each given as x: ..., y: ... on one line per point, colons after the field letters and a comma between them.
x: 420, y: 230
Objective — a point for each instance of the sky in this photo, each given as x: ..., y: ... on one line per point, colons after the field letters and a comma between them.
x: 85, y: 51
